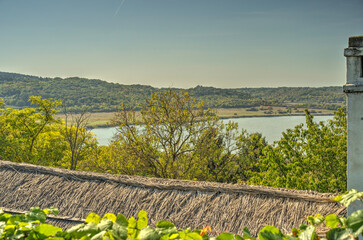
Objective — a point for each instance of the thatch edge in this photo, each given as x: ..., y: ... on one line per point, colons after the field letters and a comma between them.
x: 170, y: 184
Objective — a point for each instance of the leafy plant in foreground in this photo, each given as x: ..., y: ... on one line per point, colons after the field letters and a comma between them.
x: 27, y: 226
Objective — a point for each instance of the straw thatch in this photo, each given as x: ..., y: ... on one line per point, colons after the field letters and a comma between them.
x: 224, y: 207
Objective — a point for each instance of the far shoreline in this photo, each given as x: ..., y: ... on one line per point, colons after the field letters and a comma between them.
x: 231, y: 117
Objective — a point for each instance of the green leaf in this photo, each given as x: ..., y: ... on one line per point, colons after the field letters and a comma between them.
x: 238, y: 237
x: 36, y: 214
x: 166, y: 237
x: 122, y: 220
x: 75, y: 228
x: 303, y: 226
x: 193, y: 236
x: 173, y: 236
x: 14, y: 219
x: 89, y: 229
x: 5, y: 216
x: 355, y: 222
x: 2, y: 225
x: 19, y: 235
x: 270, y: 233
x: 317, y: 220
x: 164, y: 224
x: 82, y: 230
x: 246, y: 233
x: 132, y: 223
x: 98, y: 236
x: 332, y: 221
x: 54, y: 211
x: 110, y: 216
x: 142, y: 220
x: 93, y: 217
x: 340, y: 234
x: 349, y: 197
x: 225, y: 236
x: 290, y: 237
x: 343, y: 221
x: 84, y: 238
x: 132, y: 228
x: 47, y: 229
x: 148, y: 233
x: 338, y: 198
x: 308, y: 234
x: 182, y: 234
x: 107, y: 236
x: 105, y: 224
x: 119, y: 231
x: 170, y: 236
x: 165, y: 227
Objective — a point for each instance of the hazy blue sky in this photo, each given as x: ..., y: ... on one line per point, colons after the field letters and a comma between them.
x: 181, y: 43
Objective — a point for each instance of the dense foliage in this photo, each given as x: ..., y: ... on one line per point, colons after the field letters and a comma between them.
x: 33, y: 135
x: 111, y: 227
x: 175, y: 136
x: 305, y: 156
x: 101, y: 96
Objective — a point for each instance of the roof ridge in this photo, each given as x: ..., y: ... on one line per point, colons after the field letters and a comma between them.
x: 170, y: 184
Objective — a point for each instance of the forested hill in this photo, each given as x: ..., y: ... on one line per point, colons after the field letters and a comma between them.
x: 100, y: 95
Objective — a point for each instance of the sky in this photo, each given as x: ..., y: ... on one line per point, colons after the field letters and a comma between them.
x: 181, y: 43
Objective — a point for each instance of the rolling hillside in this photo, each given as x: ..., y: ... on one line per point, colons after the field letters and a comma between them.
x: 102, y: 96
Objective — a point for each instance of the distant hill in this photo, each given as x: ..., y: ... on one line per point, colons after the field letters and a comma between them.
x: 100, y: 96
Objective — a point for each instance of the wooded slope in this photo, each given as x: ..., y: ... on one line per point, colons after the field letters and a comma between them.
x: 101, y: 96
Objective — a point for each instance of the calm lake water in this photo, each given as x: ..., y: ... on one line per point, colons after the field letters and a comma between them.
x: 270, y: 127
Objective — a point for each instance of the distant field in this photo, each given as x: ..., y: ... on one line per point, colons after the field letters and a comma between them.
x: 103, y: 119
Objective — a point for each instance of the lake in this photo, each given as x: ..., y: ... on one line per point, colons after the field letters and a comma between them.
x: 270, y: 127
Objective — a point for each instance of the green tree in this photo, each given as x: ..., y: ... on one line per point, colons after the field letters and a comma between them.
x: 312, y: 157
x: 250, y: 151
x: 34, y: 135
x: 174, y: 136
x: 79, y: 139
x: 20, y: 129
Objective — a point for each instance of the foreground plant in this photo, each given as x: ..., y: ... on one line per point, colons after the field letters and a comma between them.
x: 111, y: 227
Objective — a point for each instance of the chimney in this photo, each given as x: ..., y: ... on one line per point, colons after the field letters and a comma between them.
x: 354, y: 91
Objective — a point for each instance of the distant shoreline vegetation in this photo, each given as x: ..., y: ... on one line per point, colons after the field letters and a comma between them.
x: 102, y: 120
x: 98, y: 96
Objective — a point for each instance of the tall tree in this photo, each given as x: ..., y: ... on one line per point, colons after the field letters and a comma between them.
x: 78, y: 137
x: 173, y: 136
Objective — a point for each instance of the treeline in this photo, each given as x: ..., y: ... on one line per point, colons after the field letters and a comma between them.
x: 175, y: 136
x: 102, y: 96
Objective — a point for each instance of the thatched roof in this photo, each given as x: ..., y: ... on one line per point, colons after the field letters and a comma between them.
x: 224, y: 207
